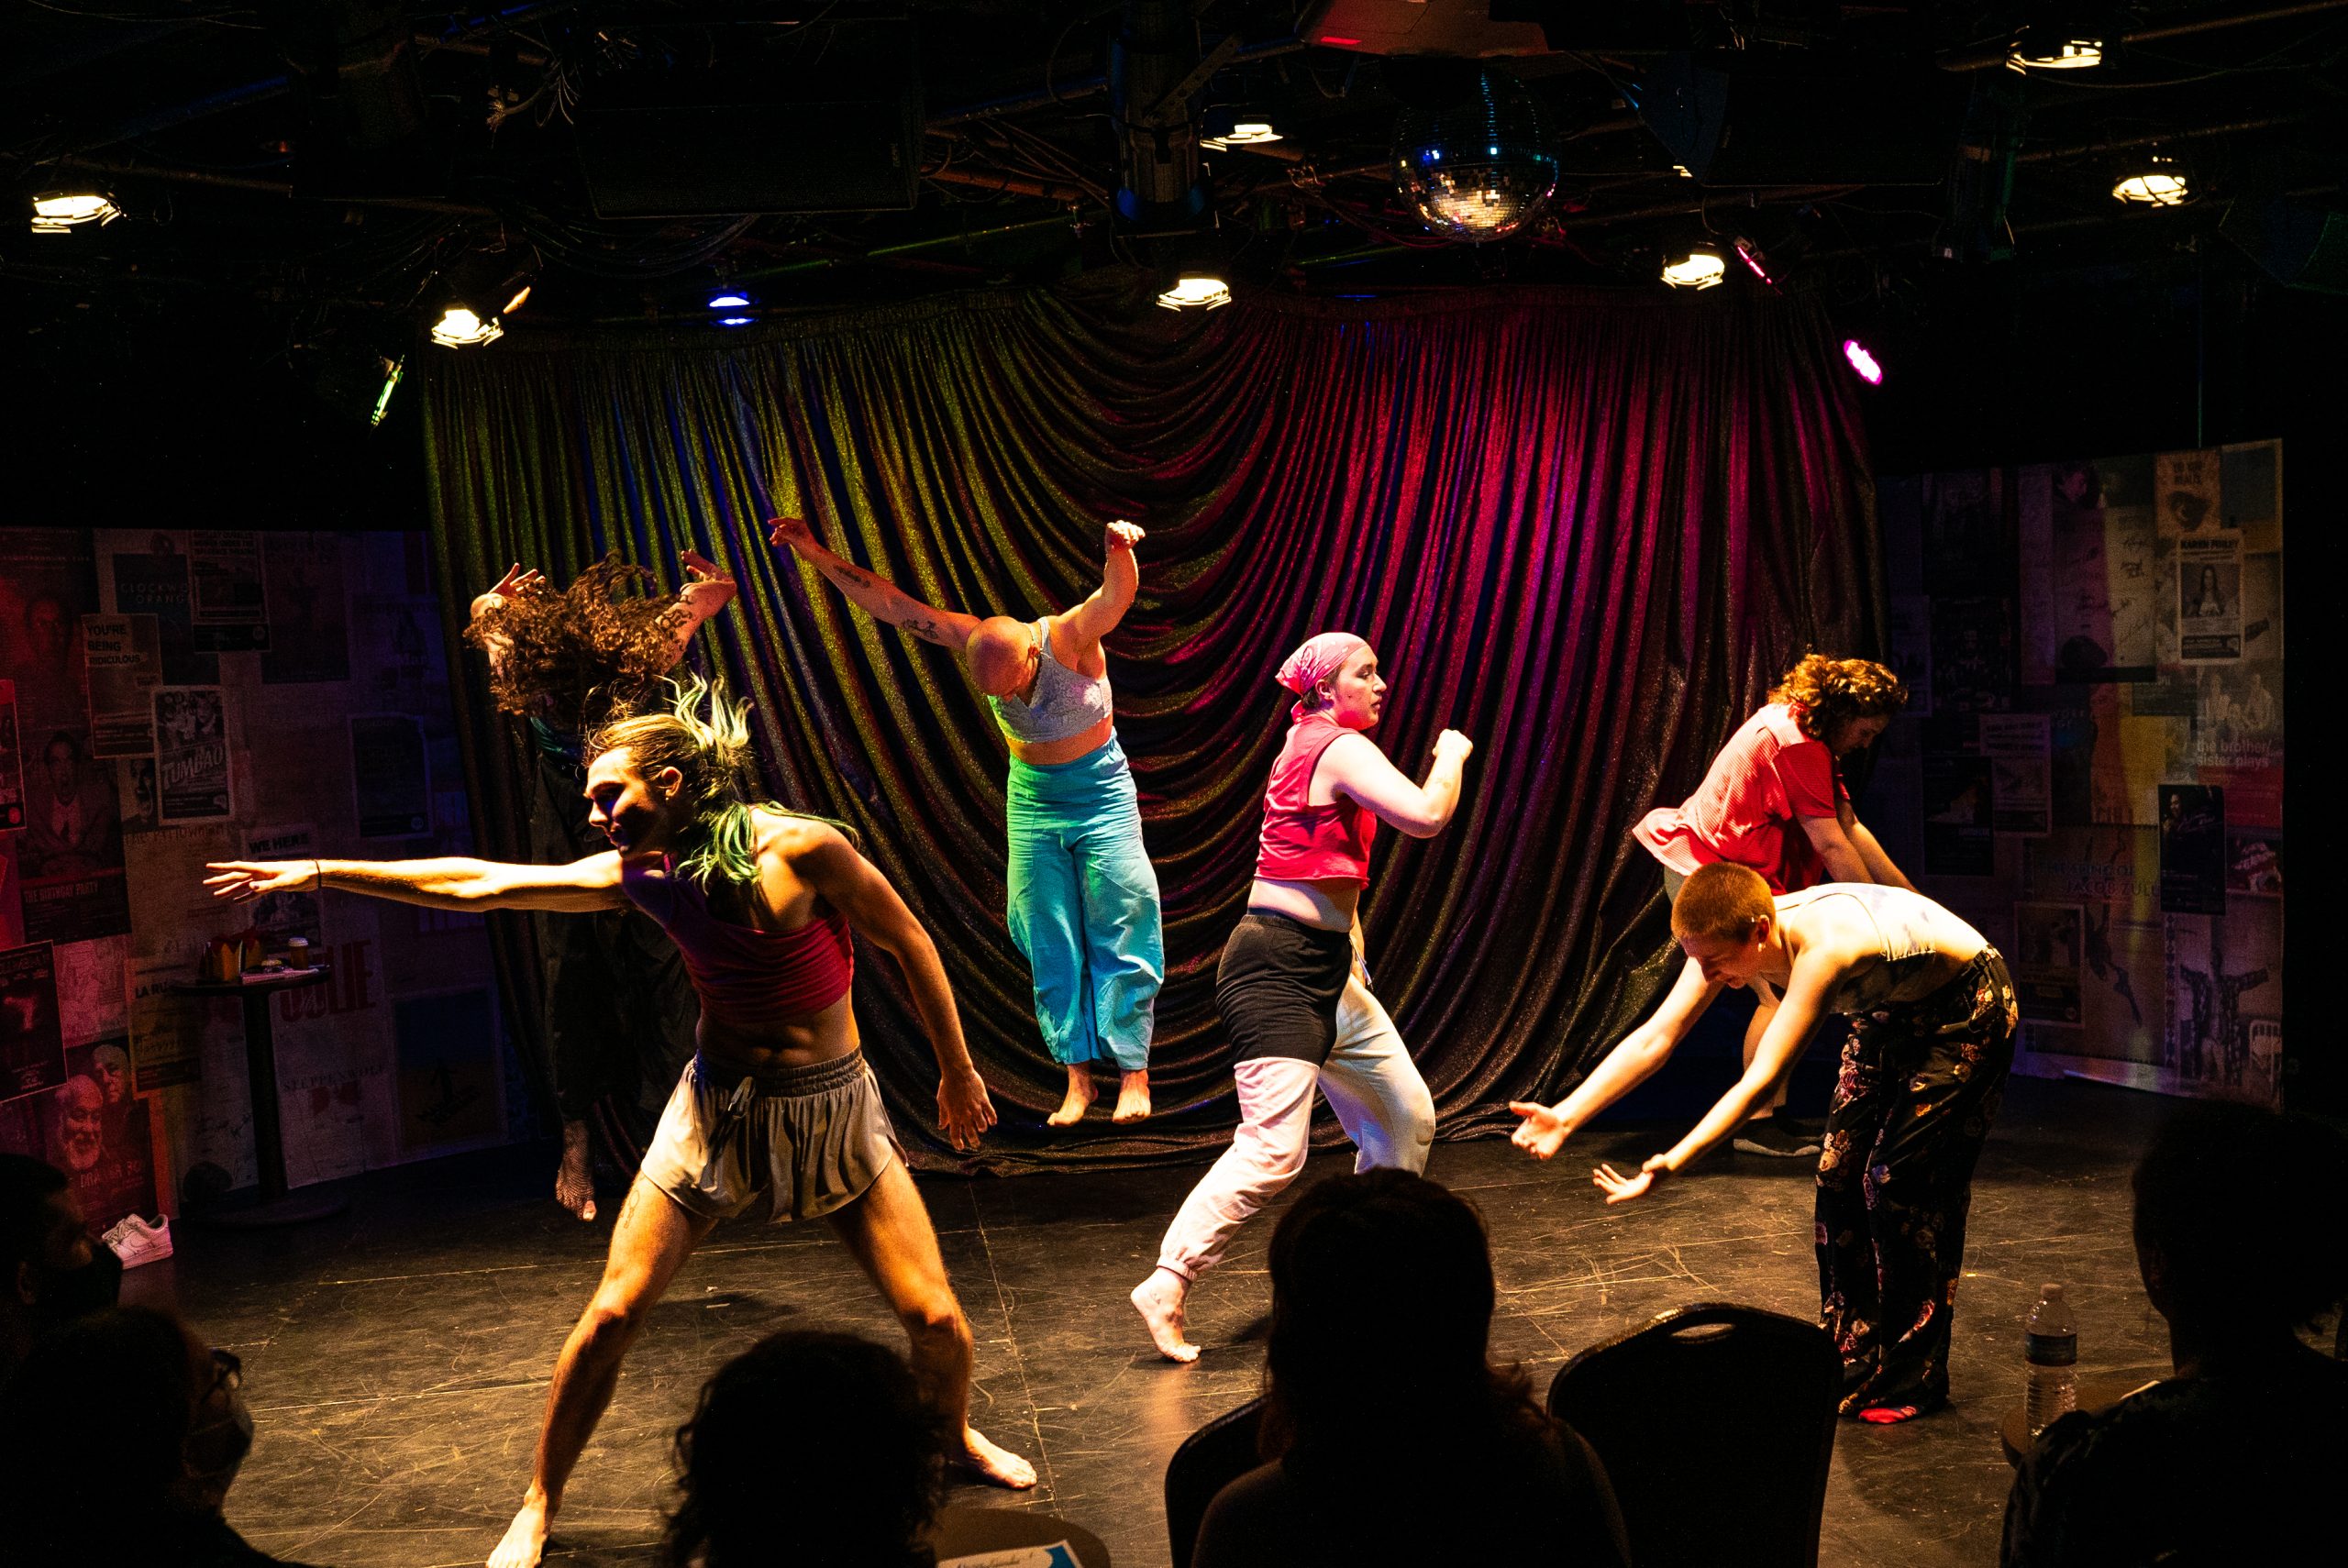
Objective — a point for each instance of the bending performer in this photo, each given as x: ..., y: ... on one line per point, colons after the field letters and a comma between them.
x: 1931, y: 1013
x: 1292, y: 990
x: 1083, y: 896
x: 1774, y: 800
x: 777, y: 1108
x: 619, y: 1012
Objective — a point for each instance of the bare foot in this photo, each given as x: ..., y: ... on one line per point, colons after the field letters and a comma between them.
x: 574, y: 1180
x: 1159, y: 1299
x: 999, y: 1465
x: 1132, y: 1097
x: 1079, y: 1100
x: 525, y: 1538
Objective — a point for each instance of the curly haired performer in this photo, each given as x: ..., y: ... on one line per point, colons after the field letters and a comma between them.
x: 1292, y: 989
x: 1933, y: 1014
x: 1774, y: 800
x: 619, y: 1012
x: 1083, y: 896
x: 778, y: 1107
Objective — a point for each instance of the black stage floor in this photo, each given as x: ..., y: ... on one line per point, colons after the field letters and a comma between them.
x: 396, y: 1358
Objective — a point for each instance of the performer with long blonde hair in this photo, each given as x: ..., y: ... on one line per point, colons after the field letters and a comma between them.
x: 777, y: 1108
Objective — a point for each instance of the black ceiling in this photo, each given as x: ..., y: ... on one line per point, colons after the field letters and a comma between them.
x: 246, y: 179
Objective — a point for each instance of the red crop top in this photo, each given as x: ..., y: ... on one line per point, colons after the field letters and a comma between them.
x: 1304, y: 843
x: 753, y: 979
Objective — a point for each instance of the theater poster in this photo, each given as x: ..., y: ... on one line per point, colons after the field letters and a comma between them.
x: 32, y: 1032
x: 2050, y: 939
x: 2193, y: 849
x: 192, y: 754
x: 98, y: 1134
x: 309, y: 637
x: 229, y: 607
x: 148, y: 575
x: 126, y: 664
x: 390, y: 777
x: 12, y: 762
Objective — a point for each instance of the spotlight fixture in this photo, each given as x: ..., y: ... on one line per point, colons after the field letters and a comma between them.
x: 1196, y: 288
x: 735, y: 320
x: 2158, y: 181
x: 1870, y: 371
x: 56, y: 212
x: 728, y: 299
x: 1699, y: 268
x: 460, y: 327
x: 1223, y: 133
x: 1755, y: 262
x: 2043, y: 48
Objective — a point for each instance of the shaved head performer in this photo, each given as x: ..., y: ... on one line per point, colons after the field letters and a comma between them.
x: 778, y: 1109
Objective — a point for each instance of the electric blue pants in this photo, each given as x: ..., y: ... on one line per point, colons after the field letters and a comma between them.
x: 1084, y: 906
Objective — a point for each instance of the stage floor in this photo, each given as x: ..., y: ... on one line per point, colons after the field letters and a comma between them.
x: 396, y: 1358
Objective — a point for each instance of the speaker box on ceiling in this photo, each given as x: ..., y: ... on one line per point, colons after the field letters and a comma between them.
x: 1802, y: 118
x: 833, y: 124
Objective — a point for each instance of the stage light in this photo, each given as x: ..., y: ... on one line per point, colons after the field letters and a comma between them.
x: 2053, y: 49
x: 393, y: 370
x: 1482, y: 168
x: 518, y: 299
x: 1750, y: 254
x: 1865, y: 363
x: 1243, y: 133
x: 1196, y: 288
x: 460, y: 328
x: 56, y: 212
x: 1699, y: 268
x: 2157, y: 182
x: 728, y: 299
x: 735, y: 320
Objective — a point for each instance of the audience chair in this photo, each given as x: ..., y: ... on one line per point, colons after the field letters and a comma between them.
x: 1716, y: 1424
x: 1209, y: 1460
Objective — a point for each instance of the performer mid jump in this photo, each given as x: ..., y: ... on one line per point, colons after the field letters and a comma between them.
x: 1083, y: 896
x: 1292, y: 989
x: 1774, y: 800
x: 779, y: 1104
x: 1933, y: 1014
x: 619, y: 1012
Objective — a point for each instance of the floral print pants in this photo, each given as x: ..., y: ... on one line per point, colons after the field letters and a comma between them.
x: 1919, y: 1084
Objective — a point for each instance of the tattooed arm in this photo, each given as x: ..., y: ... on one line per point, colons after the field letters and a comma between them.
x: 876, y: 596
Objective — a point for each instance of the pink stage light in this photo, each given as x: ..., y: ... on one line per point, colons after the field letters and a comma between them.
x: 1863, y: 361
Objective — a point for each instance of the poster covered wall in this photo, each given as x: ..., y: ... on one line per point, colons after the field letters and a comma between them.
x: 2112, y: 793
x: 173, y: 698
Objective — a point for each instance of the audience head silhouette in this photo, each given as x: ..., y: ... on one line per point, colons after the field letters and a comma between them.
x: 163, y: 1409
x: 50, y: 1270
x: 2237, y: 1232
x: 808, y: 1448
x: 1382, y: 1318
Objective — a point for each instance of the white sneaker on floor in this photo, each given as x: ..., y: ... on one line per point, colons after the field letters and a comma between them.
x: 135, y: 1242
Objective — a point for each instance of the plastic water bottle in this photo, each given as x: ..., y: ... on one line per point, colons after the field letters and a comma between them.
x: 2051, y: 1344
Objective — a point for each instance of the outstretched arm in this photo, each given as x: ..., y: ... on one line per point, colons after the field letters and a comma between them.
x: 1120, y: 581
x: 1805, y: 1000
x: 707, y: 591
x: 831, y: 866
x: 450, y: 882
x: 1359, y: 772
x: 1545, y: 1128
x: 876, y: 596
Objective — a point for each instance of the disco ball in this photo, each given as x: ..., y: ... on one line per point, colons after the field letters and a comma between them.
x: 1481, y: 167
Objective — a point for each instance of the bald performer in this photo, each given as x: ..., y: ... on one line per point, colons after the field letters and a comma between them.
x: 1083, y: 896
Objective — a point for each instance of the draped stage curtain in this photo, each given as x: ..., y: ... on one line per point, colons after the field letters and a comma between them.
x: 1587, y: 530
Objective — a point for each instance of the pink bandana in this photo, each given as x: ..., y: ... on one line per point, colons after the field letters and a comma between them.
x: 1317, y: 661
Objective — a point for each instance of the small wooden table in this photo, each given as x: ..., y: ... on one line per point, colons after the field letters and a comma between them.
x: 2013, y: 1431
x: 967, y: 1532
x: 275, y: 1206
